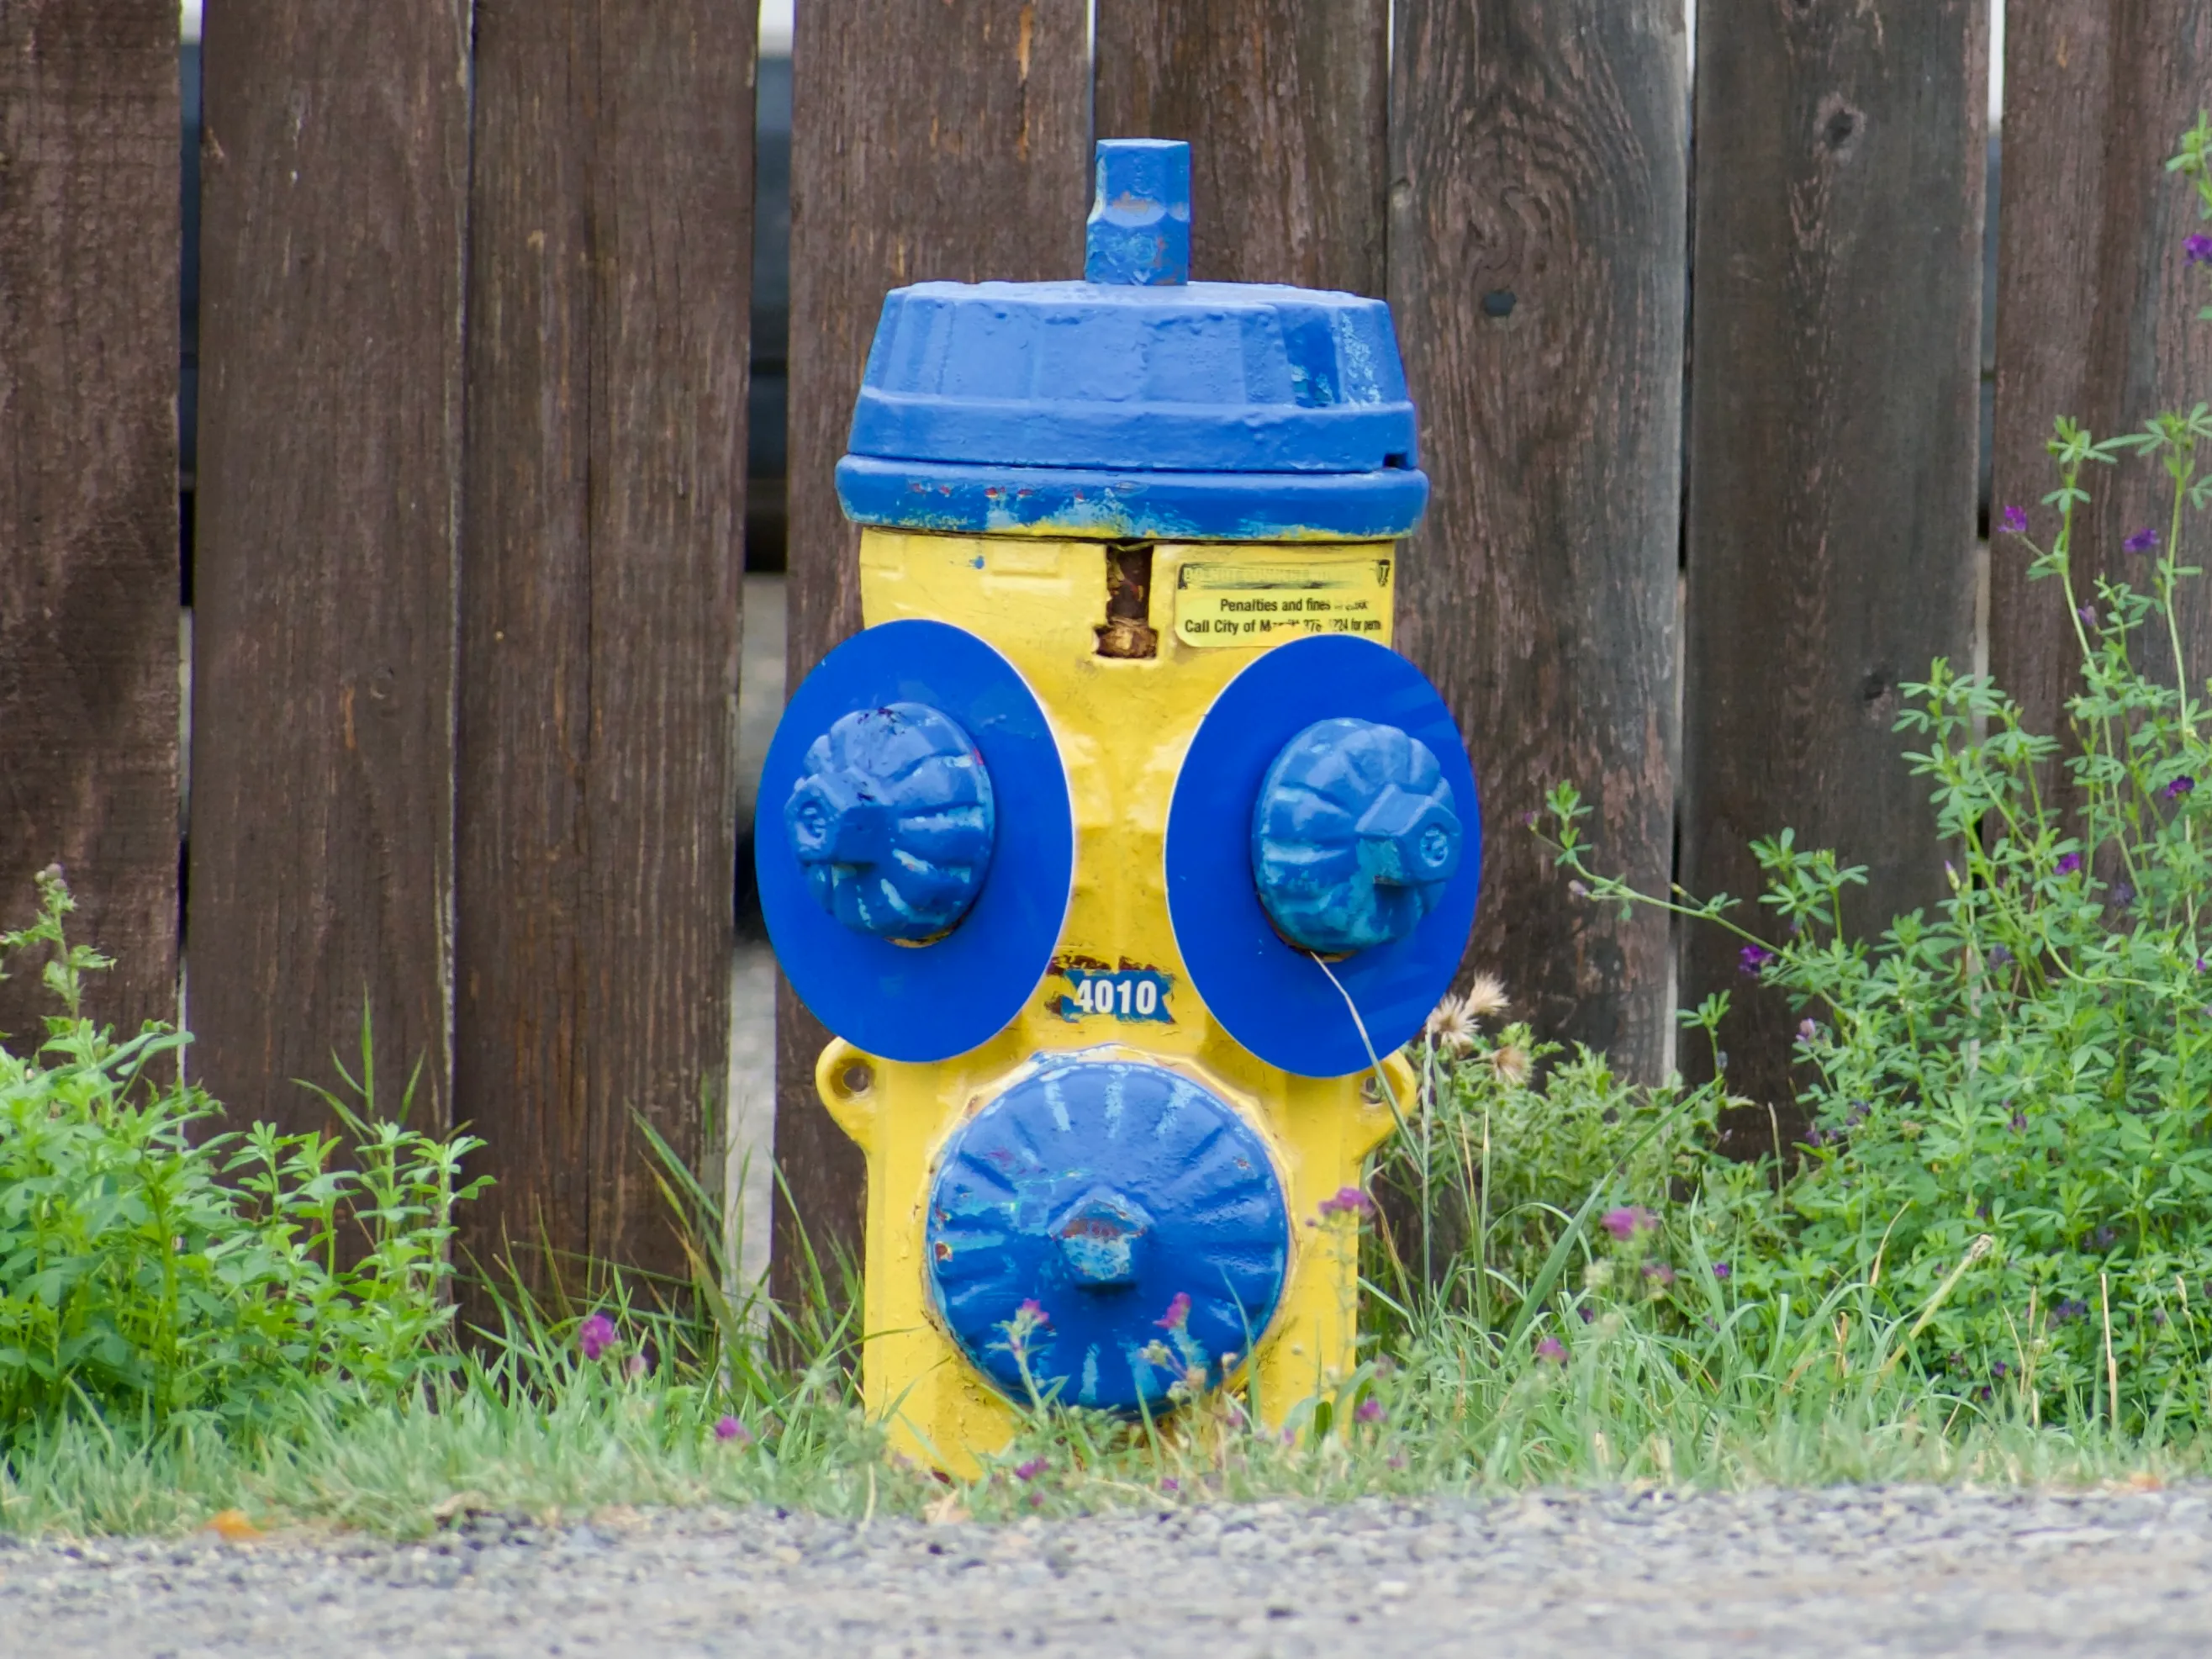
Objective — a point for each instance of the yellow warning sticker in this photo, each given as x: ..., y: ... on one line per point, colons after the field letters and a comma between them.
x: 1237, y: 602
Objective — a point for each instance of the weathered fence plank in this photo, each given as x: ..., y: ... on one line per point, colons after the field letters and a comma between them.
x: 1832, y: 450
x: 334, y: 176
x: 942, y: 141
x: 1285, y: 104
x: 2095, y: 308
x: 1536, y: 273
x: 88, y: 488
x: 610, y: 247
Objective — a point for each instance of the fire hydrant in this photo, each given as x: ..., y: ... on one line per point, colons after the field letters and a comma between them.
x: 1118, y: 850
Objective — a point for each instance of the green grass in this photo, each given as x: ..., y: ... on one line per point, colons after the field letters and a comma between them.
x: 1619, y: 1410
x: 539, y: 1429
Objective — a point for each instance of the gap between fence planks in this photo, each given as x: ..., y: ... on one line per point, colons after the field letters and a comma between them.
x: 89, y: 650
x: 2096, y: 314
x: 1536, y: 277
x: 610, y: 255
x: 334, y: 175
x: 940, y: 141
x: 1833, y: 449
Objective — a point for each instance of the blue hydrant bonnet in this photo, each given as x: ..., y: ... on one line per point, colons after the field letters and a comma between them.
x: 1134, y: 403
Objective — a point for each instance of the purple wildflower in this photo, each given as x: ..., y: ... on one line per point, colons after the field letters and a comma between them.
x: 2089, y: 615
x: 637, y: 1367
x: 1723, y: 1271
x: 1588, y: 1317
x: 2145, y: 540
x: 1178, y: 1311
x: 1169, y: 1483
x: 1033, y: 1311
x: 1031, y: 1470
x: 1753, y: 958
x: 1806, y: 1030
x: 1856, y: 1114
x: 595, y: 1335
x: 2014, y: 521
x: 2070, y: 864
x: 1999, y: 955
x: 2018, y: 1122
x: 1659, y: 1271
x: 2198, y: 250
x: 2202, y: 964
x: 1348, y: 1200
x: 2180, y: 786
x: 1997, y: 1369
x: 1552, y: 1350
x: 1369, y: 1410
x: 2067, y: 1311
x: 728, y: 1428
x: 2124, y: 892
x: 1628, y: 1220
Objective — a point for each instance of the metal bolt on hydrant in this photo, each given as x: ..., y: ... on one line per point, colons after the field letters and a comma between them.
x: 1119, y: 843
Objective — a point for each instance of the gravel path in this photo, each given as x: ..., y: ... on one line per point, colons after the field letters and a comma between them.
x: 1897, y: 1570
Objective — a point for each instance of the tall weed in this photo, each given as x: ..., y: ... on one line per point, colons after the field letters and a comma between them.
x: 150, y: 1267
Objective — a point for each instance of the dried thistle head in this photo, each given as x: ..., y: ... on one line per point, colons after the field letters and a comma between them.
x: 1451, y: 1027
x: 1486, y: 998
x: 1512, y: 1064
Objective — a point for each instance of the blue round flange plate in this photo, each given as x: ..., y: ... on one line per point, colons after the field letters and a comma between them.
x: 1138, y: 1213
x: 926, y: 1002
x: 1268, y: 994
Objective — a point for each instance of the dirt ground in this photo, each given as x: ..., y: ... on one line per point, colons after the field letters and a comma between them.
x: 1655, y: 1574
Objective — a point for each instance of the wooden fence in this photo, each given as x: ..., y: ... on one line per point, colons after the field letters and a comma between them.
x: 1701, y: 419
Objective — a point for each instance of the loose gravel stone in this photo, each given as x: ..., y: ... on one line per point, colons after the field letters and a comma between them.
x: 1665, y: 1576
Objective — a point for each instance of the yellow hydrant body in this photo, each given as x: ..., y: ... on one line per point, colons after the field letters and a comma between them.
x: 1125, y: 724
x: 1119, y: 849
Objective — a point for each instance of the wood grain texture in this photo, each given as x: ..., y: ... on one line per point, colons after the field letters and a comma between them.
x: 1833, y: 441
x: 334, y: 175
x: 610, y: 260
x: 1536, y: 276
x: 2095, y: 310
x: 88, y: 491
x: 1285, y: 104
x: 942, y: 141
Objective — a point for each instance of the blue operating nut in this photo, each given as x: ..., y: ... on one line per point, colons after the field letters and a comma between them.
x: 1098, y: 1238
x: 892, y: 820
x: 1138, y: 232
x: 1354, y: 834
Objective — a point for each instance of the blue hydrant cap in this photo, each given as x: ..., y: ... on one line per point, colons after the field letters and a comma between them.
x: 1135, y: 404
x: 1355, y: 832
x: 1103, y: 1229
x: 893, y: 819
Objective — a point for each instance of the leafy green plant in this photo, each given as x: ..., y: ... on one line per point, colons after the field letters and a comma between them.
x: 2013, y: 1148
x: 150, y: 1267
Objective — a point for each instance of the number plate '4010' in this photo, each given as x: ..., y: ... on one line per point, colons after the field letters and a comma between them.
x: 1127, y: 993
